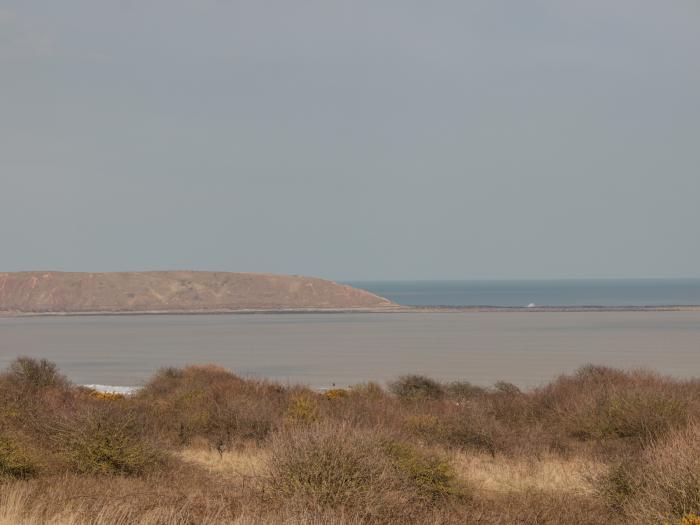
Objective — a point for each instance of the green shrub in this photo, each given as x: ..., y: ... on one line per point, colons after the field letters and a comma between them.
x: 617, y: 485
x: 416, y: 388
x: 15, y: 460
x: 503, y: 387
x: 302, y: 409
x: 106, y: 442
x: 430, y: 474
x: 336, y: 393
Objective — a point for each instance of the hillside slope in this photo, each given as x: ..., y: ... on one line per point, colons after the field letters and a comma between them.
x: 68, y: 292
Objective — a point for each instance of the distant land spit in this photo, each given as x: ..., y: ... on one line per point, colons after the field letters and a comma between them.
x: 175, y: 292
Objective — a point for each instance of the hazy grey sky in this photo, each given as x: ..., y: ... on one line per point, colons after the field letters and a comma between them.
x: 352, y: 140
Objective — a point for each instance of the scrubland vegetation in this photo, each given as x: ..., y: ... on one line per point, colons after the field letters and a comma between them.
x: 200, y: 445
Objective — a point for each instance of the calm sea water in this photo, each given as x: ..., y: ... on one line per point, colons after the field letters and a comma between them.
x: 664, y: 292
x: 526, y: 348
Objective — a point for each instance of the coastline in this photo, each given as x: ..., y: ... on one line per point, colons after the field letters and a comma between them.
x: 387, y: 310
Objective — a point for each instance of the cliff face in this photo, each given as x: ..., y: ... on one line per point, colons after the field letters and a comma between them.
x: 58, y: 292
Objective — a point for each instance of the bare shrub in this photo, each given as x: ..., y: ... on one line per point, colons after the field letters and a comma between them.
x: 367, y: 473
x: 32, y: 374
x: 462, y: 433
x: 456, y: 430
x: 366, y: 406
x: 330, y: 466
x: 641, y: 413
x: 210, y: 402
x: 503, y: 387
x: 369, y: 389
x: 603, y: 403
x: 416, y: 388
x: 662, y: 484
x: 463, y: 390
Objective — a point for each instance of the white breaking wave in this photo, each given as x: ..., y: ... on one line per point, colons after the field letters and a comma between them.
x: 111, y: 389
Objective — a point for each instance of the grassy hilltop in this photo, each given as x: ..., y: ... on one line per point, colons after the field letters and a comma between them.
x: 200, y: 445
x: 182, y: 291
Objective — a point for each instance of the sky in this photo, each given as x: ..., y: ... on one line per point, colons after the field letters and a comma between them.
x: 352, y: 140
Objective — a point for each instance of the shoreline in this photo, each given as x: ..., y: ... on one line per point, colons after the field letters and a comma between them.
x: 387, y: 310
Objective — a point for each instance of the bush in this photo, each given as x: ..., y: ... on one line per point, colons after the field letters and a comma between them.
x: 600, y: 403
x: 509, y: 404
x: 29, y: 373
x: 424, y: 425
x: 169, y: 381
x: 15, y: 460
x: 617, y: 485
x: 459, y: 432
x: 463, y: 390
x: 328, y: 467
x: 662, y: 484
x: 643, y: 414
x: 637, y: 412
x: 429, y: 473
x: 505, y: 388
x: 416, y: 388
x: 106, y: 441
x: 302, y: 409
x: 365, y: 471
x: 455, y: 431
x: 368, y: 390
x: 106, y: 396
x: 209, y: 402
x: 336, y: 393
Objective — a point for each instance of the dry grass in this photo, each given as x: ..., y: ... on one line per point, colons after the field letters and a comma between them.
x: 246, y: 461
x: 83, y: 500
x: 548, y: 474
x: 480, y: 471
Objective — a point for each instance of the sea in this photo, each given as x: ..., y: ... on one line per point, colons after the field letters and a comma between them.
x: 556, y: 293
x: 323, y: 350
